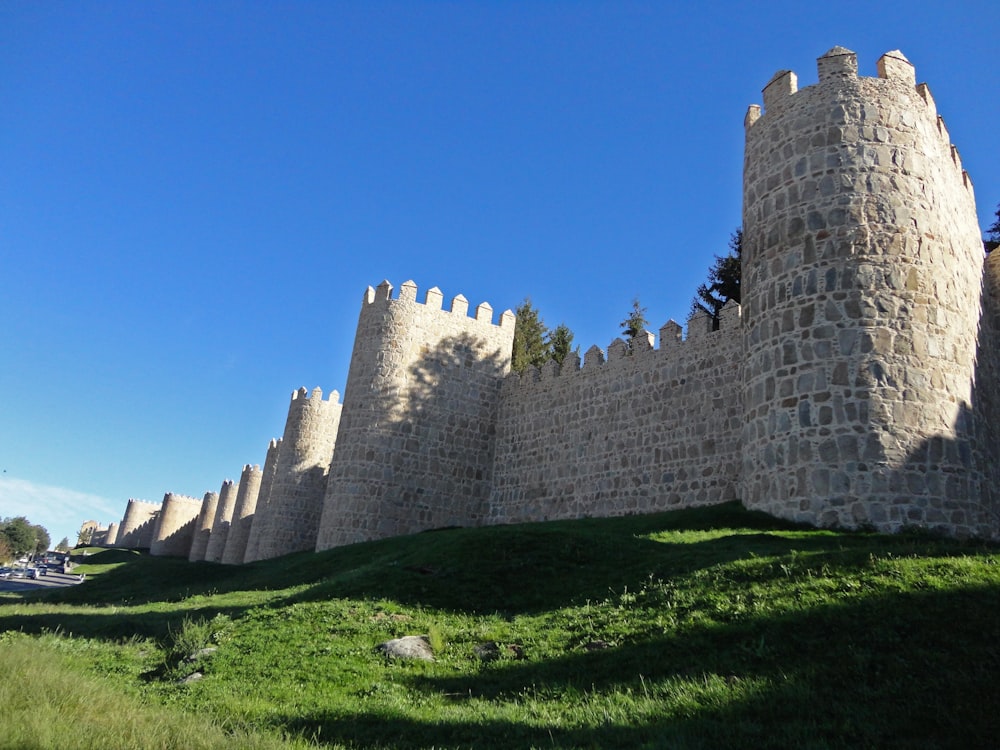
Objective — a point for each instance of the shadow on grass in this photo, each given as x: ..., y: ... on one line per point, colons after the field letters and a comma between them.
x: 889, y: 671
x: 534, y: 568
x: 511, y: 570
x: 113, y: 626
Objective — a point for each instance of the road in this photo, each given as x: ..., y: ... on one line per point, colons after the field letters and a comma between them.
x: 50, y: 580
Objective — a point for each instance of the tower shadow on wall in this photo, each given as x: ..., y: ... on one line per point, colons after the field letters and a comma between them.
x: 950, y: 483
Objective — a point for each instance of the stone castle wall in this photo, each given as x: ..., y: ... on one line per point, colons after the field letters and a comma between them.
x: 986, y: 393
x: 223, y: 518
x: 203, y: 527
x: 857, y: 384
x: 646, y: 430
x: 289, y: 520
x: 862, y: 267
x: 138, y: 524
x: 243, y: 513
x: 175, y: 526
x: 263, y: 498
x: 416, y: 441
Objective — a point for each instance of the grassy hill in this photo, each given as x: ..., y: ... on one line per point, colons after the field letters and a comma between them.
x: 709, y: 628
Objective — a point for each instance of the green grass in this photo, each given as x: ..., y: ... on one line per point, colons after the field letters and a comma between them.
x: 695, y: 629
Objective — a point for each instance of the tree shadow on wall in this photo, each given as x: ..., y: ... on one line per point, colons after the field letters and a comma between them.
x: 434, y: 457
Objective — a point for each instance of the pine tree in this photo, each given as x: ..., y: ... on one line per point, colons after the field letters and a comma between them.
x: 530, y: 346
x: 635, y: 323
x: 723, y: 281
x: 992, y: 241
x: 560, y: 342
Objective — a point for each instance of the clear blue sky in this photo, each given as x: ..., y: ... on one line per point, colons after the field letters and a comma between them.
x: 194, y: 195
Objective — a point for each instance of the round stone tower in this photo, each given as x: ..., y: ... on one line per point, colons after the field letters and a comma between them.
x: 263, y: 499
x: 175, y: 527
x: 417, y: 434
x: 243, y: 512
x: 862, y: 264
x: 289, y: 517
x: 203, y: 529
x: 138, y: 524
x: 220, y: 525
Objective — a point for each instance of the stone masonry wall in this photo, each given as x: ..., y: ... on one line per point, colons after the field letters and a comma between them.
x: 263, y: 498
x: 203, y: 527
x: 650, y: 430
x: 857, y: 385
x: 416, y: 441
x: 243, y: 512
x: 175, y: 527
x: 289, y: 520
x: 138, y: 522
x: 862, y: 265
x: 986, y: 393
x: 223, y: 517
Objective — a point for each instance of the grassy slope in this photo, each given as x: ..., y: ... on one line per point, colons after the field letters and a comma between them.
x: 702, y: 628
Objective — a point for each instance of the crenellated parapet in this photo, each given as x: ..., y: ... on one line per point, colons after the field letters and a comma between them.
x: 700, y: 334
x: 433, y: 298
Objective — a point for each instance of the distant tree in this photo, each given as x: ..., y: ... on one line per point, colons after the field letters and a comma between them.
x: 63, y: 545
x: 42, y: 539
x: 84, y: 535
x: 992, y: 241
x: 6, y: 553
x: 724, y: 279
x: 560, y: 342
x: 530, y: 346
x: 635, y: 323
x: 20, y: 535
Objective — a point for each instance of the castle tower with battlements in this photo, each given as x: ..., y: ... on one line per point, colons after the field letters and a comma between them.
x: 417, y: 434
x: 175, y: 526
x: 289, y: 519
x: 203, y: 527
x: 223, y: 518
x: 243, y: 512
x: 862, y: 266
x: 138, y: 524
x: 263, y: 499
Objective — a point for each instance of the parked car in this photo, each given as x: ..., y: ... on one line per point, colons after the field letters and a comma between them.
x: 5, y: 573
